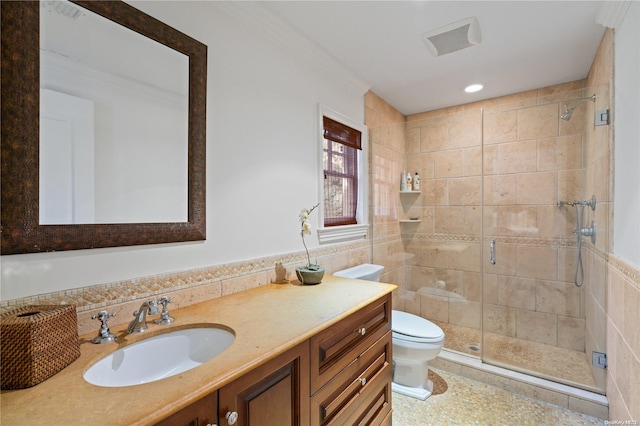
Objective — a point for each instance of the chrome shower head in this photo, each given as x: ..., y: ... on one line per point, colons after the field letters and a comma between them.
x: 566, y: 115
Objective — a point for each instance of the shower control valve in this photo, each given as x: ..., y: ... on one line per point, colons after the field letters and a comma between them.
x: 589, y: 232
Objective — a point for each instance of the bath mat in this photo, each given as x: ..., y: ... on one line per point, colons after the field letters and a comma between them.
x: 439, y: 385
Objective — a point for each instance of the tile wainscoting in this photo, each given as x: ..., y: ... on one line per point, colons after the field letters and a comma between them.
x: 191, y: 286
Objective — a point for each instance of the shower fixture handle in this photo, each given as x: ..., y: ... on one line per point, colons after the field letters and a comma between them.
x: 590, y: 232
x: 492, y: 252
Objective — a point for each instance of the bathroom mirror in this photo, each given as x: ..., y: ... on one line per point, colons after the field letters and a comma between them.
x: 26, y: 228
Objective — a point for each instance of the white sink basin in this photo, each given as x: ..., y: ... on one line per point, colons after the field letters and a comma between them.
x: 159, y: 357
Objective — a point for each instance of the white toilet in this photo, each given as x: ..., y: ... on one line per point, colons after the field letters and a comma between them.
x: 416, y: 341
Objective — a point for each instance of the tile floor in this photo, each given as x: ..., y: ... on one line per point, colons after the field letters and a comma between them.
x: 467, y: 402
x: 550, y: 362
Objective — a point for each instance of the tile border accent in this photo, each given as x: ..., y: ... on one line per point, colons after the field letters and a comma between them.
x: 102, y: 295
x: 629, y: 272
x: 552, y: 242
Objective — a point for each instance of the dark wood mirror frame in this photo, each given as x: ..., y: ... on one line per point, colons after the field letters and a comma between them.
x: 20, y: 91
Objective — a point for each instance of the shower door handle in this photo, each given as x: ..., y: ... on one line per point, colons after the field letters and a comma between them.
x: 492, y: 252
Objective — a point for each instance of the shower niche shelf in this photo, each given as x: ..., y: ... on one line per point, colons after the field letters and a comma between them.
x: 417, y: 220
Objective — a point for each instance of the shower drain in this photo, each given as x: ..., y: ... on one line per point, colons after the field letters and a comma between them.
x: 473, y: 348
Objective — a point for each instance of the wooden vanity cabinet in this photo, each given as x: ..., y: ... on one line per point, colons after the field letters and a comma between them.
x: 276, y: 393
x: 351, y: 369
x: 203, y: 412
x: 340, y: 376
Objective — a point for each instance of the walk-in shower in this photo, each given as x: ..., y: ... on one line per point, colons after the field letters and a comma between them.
x: 491, y: 258
x: 568, y: 111
x: 579, y: 231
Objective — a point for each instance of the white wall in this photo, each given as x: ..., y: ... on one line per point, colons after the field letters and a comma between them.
x: 262, y: 102
x: 626, y: 207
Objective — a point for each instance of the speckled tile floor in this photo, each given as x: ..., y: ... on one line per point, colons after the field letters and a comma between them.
x: 467, y: 402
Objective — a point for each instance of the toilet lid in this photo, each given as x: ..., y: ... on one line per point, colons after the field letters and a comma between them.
x: 414, y: 326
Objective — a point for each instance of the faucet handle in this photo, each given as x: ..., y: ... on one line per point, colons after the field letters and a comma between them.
x: 165, y: 318
x: 164, y: 300
x: 104, y: 334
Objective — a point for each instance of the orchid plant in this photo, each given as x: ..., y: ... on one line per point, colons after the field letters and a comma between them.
x: 305, y: 229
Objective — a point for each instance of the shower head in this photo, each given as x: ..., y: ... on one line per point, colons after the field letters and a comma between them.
x: 566, y: 115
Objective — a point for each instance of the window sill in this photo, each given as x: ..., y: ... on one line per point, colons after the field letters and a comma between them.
x: 336, y: 234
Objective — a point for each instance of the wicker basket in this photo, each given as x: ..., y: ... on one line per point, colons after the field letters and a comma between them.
x: 37, y: 342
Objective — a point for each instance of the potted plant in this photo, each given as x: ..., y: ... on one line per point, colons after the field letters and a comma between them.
x: 311, y: 273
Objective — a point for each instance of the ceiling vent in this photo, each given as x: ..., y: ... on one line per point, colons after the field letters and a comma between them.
x: 453, y: 37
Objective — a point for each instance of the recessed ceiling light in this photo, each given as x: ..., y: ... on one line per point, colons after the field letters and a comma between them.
x: 473, y: 88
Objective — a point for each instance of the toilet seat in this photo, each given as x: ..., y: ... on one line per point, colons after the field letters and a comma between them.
x: 406, y: 326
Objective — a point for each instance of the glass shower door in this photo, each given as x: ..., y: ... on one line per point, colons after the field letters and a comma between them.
x: 534, y: 316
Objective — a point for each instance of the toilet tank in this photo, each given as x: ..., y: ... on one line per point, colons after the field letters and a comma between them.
x: 366, y: 271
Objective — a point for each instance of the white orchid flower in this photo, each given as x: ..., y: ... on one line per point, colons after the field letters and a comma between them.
x: 306, y: 229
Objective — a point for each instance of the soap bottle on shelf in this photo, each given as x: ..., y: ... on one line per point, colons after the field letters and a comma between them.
x: 416, y: 182
x: 409, y: 182
x: 403, y: 181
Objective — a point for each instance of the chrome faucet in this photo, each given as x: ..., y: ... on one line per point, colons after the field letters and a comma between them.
x: 139, y: 324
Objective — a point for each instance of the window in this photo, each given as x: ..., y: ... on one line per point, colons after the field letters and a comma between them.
x: 340, y: 165
x: 343, y: 180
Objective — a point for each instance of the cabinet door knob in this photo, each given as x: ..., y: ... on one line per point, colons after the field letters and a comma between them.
x: 232, y: 417
x: 362, y: 331
x: 363, y: 381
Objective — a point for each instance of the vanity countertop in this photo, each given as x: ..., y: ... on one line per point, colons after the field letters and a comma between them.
x: 267, y: 320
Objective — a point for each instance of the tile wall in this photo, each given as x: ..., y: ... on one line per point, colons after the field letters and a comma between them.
x: 387, y: 134
x: 530, y: 159
x: 623, y: 340
x: 192, y: 286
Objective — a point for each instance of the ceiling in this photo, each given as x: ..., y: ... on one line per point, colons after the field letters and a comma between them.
x: 525, y: 45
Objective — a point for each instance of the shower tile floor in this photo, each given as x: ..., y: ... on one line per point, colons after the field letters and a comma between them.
x: 550, y: 362
x: 467, y: 402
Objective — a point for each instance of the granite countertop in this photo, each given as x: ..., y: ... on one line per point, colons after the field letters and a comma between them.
x: 267, y: 321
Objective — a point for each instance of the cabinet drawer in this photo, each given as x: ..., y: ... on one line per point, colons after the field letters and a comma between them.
x: 343, y: 395
x: 335, y: 348
x: 375, y: 407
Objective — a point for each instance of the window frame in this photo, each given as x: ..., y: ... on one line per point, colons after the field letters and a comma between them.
x: 339, y: 233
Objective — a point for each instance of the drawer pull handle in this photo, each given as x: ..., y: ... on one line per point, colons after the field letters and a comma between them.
x: 232, y: 417
x: 363, y: 381
x: 362, y: 331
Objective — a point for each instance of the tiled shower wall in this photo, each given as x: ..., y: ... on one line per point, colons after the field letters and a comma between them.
x: 532, y: 159
x: 388, y: 152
